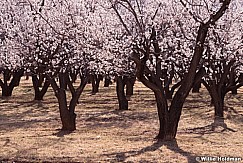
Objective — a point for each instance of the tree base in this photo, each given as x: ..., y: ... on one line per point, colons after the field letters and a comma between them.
x: 167, y: 137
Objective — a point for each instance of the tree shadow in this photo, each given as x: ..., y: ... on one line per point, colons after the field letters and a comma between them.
x: 116, y: 118
x: 36, y: 104
x: 171, y: 145
x: 122, y: 156
x: 11, y: 125
x: 62, y: 133
x: 217, y: 126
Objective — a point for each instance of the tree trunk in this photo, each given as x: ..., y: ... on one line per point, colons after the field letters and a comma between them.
x: 162, y: 114
x: 120, y: 85
x: 40, y: 80
x: 168, y: 125
x: 217, y: 98
x: 73, y: 76
x: 39, y: 94
x: 179, y: 98
x: 234, y: 92
x: 218, y: 107
x: 196, y: 87
x: 95, y: 80
x: 107, y: 82
x: 129, y: 81
x: 67, y: 113
x: 218, y: 102
x: 67, y: 118
x: 169, y: 117
x: 232, y: 80
x: 7, y: 89
x: 168, y: 93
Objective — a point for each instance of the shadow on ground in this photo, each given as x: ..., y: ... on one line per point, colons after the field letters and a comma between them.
x: 216, y: 127
x: 171, y: 145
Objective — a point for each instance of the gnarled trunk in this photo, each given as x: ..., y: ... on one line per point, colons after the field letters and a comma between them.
x: 169, y: 116
x: 39, y: 93
x: 163, y: 113
x: 74, y: 76
x: 7, y: 89
x: 67, y: 112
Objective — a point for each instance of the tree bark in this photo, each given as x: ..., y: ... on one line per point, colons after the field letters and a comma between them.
x: 40, y: 80
x: 7, y: 89
x: 218, y: 107
x: 39, y: 93
x: 67, y: 118
x: 129, y: 82
x: 67, y: 112
x: 217, y: 97
x: 95, y: 81
x: 107, y: 82
x: 196, y: 87
x: 74, y: 76
x: 169, y: 116
x: 218, y: 101
x: 122, y: 100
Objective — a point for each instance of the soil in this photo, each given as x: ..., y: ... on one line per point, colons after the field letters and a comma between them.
x: 30, y: 130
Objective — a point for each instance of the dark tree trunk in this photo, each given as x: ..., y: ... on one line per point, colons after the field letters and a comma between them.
x: 232, y: 79
x: 169, y: 92
x: 67, y: 118
x: 67, y: 112
x: 167, y: 82
x: 95, y: 80
x: 73, y: 76
x: 7, y: 89
x: 217, y: 94
x: 40, y: 80
x: 120, y: 85
x: 218, y: 107
x: 129, y: 82
x: 164, y: 132
x: 39, y: 93
x: 233, y: 82
x: 218, y: 102
x: 169, y: 116
x: 196, y: 87
x: 107, y: 82
x: 234, y: 92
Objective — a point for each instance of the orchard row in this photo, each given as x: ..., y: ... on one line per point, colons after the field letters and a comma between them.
x: 170, y: 46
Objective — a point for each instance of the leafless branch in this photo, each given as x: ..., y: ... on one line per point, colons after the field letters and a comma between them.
x: 193, y: 16
x: 156, y: 11
x: 120, y: 18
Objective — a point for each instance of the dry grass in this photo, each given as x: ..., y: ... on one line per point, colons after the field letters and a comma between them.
x: 29, y: 129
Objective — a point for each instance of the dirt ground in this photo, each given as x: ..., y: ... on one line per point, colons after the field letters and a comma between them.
x: 29, y: 130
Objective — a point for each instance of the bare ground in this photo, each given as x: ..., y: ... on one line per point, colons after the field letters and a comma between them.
x: 29, y: 129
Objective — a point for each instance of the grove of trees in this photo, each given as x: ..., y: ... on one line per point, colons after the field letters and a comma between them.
x: 170, y: 46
